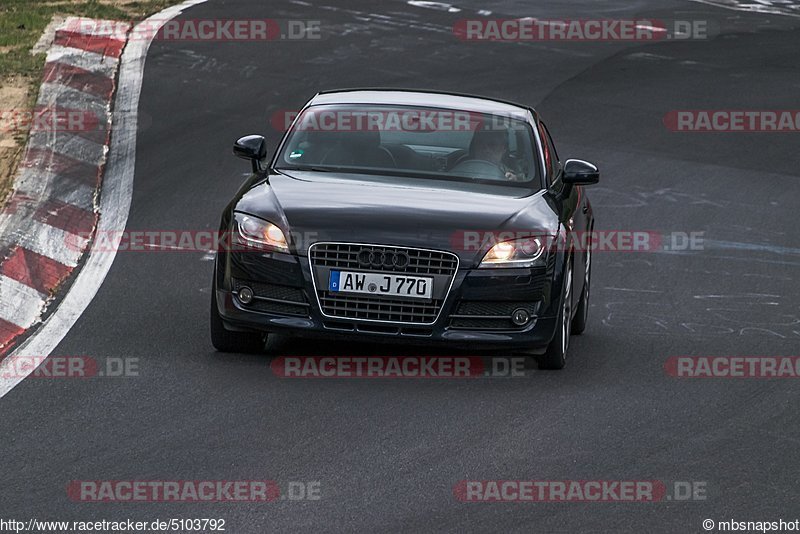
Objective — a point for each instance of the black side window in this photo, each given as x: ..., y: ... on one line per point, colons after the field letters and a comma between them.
x: 552, y: 149
x: 549, y: 154
x: 552, y: 144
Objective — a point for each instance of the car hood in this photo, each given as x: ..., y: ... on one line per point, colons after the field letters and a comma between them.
x: 317, y: 207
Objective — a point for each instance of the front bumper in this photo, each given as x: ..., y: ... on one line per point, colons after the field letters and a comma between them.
x: 475, y: 313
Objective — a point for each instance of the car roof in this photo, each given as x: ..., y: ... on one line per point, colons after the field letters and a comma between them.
x: 434, y: 99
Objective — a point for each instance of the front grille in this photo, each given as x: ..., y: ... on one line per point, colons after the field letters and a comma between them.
x: 487, y: 307
x: 277, y: 308
x: 470, y: 323
x: 377, y: 307
x: 345, y: 256
x: 271, y: 291
x: 408, y: 331
x: 488, y: 315
x: 272, y: 298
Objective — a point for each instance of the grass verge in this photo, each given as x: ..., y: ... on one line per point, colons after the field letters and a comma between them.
x: 22, y: 23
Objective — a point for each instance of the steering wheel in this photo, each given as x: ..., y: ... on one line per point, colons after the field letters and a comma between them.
x: 479, y: 168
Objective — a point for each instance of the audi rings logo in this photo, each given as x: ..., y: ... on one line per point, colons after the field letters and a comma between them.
x: 379, y: 258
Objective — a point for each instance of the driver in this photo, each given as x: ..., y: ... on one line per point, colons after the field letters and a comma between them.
x: 492, y: 146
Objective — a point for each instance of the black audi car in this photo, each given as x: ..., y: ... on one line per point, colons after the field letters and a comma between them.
x: 410, y: 216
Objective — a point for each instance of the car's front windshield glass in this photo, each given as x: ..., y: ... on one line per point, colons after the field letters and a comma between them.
x: 412, y: 142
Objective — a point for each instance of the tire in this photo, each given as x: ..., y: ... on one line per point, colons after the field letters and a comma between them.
x: 582, y: 310
x: 554, y: 357
x: 226, y: 341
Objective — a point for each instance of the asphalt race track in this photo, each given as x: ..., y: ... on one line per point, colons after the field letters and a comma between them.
x: 388, y: 453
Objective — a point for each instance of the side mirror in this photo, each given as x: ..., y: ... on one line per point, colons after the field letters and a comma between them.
x: 252, y: 147
x: 577, y: 171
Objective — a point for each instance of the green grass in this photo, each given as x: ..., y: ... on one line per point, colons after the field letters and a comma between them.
x: 23, y: 21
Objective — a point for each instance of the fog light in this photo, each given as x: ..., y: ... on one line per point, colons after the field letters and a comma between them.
x: 245, y: 295
x: 520, y: 316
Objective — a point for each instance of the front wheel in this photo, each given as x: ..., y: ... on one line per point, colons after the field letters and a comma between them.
x: 226, y: 341
x: 582, y: 311
x: 555, y: 355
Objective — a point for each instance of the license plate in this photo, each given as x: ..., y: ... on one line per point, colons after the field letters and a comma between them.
x: 396, y: 285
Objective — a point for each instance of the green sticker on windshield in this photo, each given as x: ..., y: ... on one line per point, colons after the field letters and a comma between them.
x: 296, y: 154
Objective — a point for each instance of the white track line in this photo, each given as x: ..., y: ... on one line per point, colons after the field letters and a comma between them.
x: 754, y: 8
x: 115, y: 203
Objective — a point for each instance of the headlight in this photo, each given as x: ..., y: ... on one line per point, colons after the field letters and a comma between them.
x: 525, y: 252
x: 258, y: 233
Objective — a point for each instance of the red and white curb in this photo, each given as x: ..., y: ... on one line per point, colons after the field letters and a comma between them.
x: 53, y: 207
x: 110, y: 211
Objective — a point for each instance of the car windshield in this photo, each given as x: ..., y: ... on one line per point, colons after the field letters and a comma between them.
x: 412, y: 142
